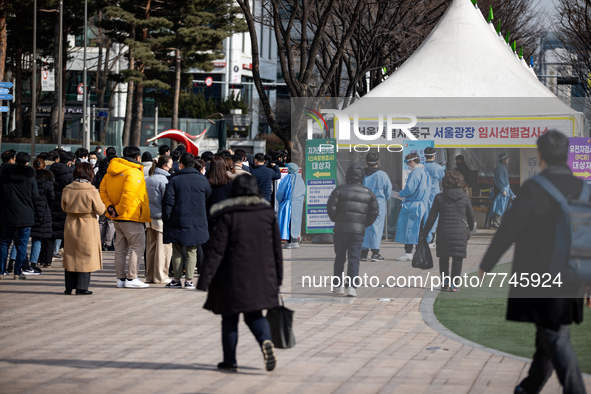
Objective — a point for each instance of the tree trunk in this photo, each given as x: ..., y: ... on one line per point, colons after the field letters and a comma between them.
x: 18, y: 89
x: 138, y: 109
x: 55, y: 104
x: 129, y: 100
x: 3, y: 38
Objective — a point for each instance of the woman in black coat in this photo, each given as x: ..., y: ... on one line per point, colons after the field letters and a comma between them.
x: 452, y: 234
x: 41, y: 231
x: 220, y: 182
x: 243, y: 267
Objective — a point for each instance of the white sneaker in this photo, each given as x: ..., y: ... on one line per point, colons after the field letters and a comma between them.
x: 433, y: 245
x: 339, y: 290
x: 351, y: 292
x: 135, y: 284
x: 295, y: 245
x: 121, y: 283
x: 405, y: 257
x: 167, y: 281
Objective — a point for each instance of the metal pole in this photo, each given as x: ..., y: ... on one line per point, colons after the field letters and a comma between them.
x: 85, y: 129
x: 60, y: 78
x: 34, y: 85
x: 156, y: 119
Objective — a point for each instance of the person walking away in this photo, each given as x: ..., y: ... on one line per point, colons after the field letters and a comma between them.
x: 501, y: 191
x: 450, y: 209
x: 413, y: 211
x: 532, y: 224
x: 82, y: 254
x: 158, y: 253
x: 246, y: 282
x: 185, y: 218
x: 123, y: 191
x: 18, y: 193
x: 463, y: 168
x: 290, y: 197
x: 62, y: 171
x: 265, y: 175
x: 379, y: 183
x: 436, y: 173
x: 147, y: 163
x: 219, y: 180
x: 106, y: 224
x: 238, y: 165
x: 353, y: 207
x: 41, y: 231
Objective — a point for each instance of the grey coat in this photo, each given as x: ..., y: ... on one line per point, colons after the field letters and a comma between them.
x: 156, y: 185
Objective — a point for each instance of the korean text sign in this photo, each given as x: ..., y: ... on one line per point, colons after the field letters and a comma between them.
x: 321, y: 180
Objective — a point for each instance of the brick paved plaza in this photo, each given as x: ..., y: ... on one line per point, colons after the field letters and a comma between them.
x: 160, y: 340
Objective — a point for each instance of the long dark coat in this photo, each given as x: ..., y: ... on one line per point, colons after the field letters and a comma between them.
x: 43, y: 224
x: 183, y: 208
x: 63, y: 177
x: 18, y: 192
x: 452, y: 236
x: 531, y: 223
x: 243, y: 265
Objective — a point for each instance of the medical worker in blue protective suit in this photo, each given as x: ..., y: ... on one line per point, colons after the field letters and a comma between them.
x: 436, y: 173
x: 379, y: 183
x: 290, y: 197
x: 413, y: 211
x: 502, y: 193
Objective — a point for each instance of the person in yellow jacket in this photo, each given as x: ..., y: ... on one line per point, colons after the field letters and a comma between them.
x: 123, y: 191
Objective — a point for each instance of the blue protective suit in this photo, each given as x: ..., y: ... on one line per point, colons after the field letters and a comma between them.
x: 414, y: 208
x: 290, y: 197
x: 436, y: 173
x: 500, y: 202
x: 379, y: 183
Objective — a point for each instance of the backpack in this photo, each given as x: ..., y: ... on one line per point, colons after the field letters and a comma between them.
x: 572, y: 243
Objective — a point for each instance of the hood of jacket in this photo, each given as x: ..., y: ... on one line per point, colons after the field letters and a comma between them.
x: 17, y: 173
x: 238, y: 204
x: 44, y: 174
x: 454, y: 194
x: 160, y: 171
x: 355, y: 173
x: 371, y: 170
x: 417, y: 167
x: 118, y: 165
x: 293, y: 168
x: 60, y: 169
x: 185, y: 171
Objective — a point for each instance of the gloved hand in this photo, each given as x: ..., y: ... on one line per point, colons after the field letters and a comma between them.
x: 504, y: 193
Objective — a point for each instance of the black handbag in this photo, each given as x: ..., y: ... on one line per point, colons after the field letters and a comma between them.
x: 281, y: 323
x: 460, y: 215
x: 422, y: 258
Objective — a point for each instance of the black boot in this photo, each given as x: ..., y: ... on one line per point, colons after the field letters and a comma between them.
x: 10, y: 267
x: 364, y: 253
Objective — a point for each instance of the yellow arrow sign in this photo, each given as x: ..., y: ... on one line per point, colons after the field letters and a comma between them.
x: 582, y: 174
x: 319, y: 174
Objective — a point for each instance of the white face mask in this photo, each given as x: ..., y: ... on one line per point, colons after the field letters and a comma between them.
x: 83, y: 160
x: 93, y: 161
x: 203, y: 171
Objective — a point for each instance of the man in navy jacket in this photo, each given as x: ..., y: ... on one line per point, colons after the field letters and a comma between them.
x: 265, y: 175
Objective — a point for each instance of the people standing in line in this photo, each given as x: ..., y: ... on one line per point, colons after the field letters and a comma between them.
x: 147, y: 162
x: 51, y: 158
x: 62, y: 171
x: 247, y: 281
x: 463, y: 168
x: 185, y: 218
x: 41, y: 231
x: 123, y: 191
x: 502, y: 193
x: 158, y: 253
x: 353, y: 207
x: 106, y: 225
x: 247, y: 160
x: 238, y: 165
x: 413, y: 212
x: 436, y: 173
x: 98, y: 152
x: 450, y: 209
x: 176, y: 155
x: 81, y: 155
x: 290, y: 197
x: 82, y: 254
x: 18, y: 193
x: 379, y: 183
x: 219, y: 180
x: 265, y: 176
x: 207, y: 157
x: 532, y: 224
x: 163, y: 150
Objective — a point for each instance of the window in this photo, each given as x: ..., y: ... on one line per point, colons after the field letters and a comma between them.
x: 270, y: 44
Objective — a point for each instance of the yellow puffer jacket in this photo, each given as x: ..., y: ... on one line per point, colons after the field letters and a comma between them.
x: 124, y: 188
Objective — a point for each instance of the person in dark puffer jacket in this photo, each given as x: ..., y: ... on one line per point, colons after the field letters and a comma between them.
x: 41, y: 231
x: 352, y: 207
x: 63, y: 173
x: 452, y: 235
